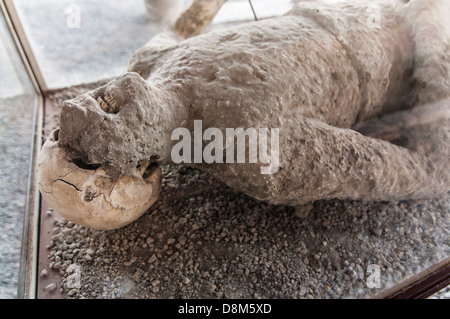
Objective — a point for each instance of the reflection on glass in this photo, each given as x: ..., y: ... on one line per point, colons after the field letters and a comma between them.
x: 84, y: 41
x: 17, y: 101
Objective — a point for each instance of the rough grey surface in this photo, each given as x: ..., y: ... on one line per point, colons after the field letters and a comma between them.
x: 313, y: 74
x: 136, y: 133
x: 15, y: 147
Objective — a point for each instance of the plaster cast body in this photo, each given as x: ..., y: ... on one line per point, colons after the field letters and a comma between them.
x: 314, y: 73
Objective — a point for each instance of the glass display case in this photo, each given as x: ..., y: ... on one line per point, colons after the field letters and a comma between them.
x: 21, y: 111
x: 201, y: 239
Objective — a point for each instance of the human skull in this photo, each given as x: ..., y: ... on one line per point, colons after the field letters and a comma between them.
x: 87, y: 195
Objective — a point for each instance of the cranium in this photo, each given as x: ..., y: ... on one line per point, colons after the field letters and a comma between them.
x: 88, y: 196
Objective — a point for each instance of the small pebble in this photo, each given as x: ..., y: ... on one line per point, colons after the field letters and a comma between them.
x: 50, y: 287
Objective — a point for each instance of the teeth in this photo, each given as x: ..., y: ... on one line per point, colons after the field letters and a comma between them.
x: 108, y: 98
x: 107, y: 104
x: 104, y: 106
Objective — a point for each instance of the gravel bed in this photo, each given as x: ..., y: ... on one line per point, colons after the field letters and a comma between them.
x: 204, y: 240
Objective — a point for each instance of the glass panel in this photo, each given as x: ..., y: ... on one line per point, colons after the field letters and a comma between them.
x: 84, y: 40
x: 234, y: 11
x: 17, y: 102
x: 268, y: 8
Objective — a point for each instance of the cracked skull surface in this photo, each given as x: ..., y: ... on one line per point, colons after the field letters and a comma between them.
x: 88, y: 196
x: 321, y: 74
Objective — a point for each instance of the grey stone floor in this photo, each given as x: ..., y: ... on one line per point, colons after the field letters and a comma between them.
x: 15, y: 145
x: 17, y: 102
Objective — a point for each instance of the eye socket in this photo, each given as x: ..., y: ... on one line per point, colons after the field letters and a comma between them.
x: 149, y: 170
x: 54, y: 135
x: 90, y: 167
x: 154, y: 158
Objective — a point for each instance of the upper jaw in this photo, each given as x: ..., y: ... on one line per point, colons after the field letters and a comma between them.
x: 110, y: 126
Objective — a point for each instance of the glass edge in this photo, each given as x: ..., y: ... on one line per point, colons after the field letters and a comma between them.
x: 27, y: 284
x: 26, y: 288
